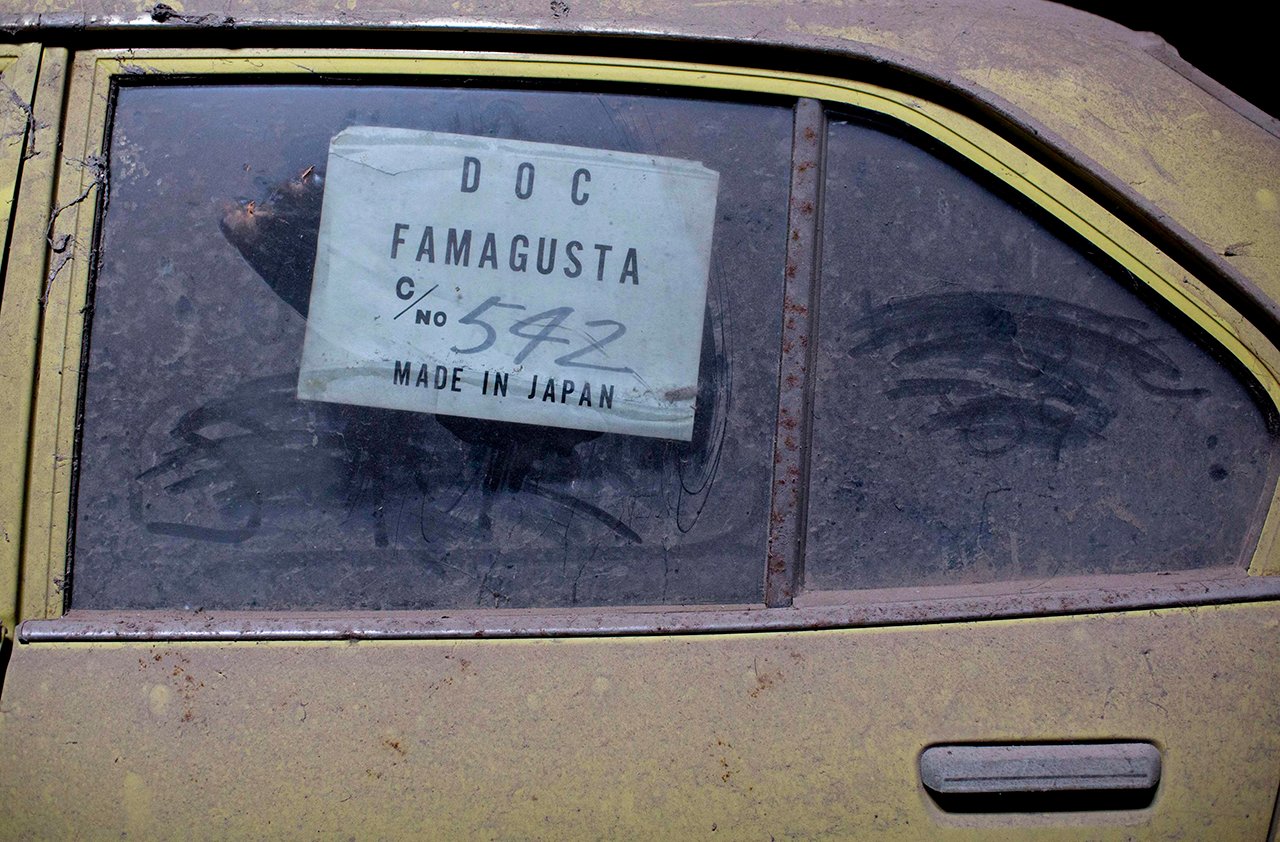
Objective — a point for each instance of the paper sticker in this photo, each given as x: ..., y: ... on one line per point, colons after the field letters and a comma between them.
x: 511, y: 281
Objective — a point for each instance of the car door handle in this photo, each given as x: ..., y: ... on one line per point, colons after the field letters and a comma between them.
x: 1040, y: 768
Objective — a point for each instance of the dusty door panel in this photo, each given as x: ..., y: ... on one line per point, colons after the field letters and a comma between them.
x: 797, y: 735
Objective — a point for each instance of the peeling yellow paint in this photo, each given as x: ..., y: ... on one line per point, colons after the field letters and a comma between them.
x: 1266, y: 200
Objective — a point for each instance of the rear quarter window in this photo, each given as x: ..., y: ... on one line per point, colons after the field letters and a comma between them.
x: 995, y: 401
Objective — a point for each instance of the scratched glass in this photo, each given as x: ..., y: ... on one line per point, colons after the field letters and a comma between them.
x: 995, y: 403
x: 205, y: 482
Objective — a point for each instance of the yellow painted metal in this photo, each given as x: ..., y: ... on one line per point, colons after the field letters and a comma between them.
x: 23, y: 286
x: 18, y: 66
x: 749, y: 736
x: 802, y: 735
x: 67, y: 234
x: 53, y: 437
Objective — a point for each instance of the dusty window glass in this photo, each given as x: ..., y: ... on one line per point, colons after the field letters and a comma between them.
x: 204, y: 481
x: 995, y: 403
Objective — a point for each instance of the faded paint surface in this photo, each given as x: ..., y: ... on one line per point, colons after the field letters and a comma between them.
x: 794, y: 734
x: 20, y: 314
x: 1098, y: 92
x: 798, y: 735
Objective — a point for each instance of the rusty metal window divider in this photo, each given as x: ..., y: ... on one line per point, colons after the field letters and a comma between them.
x: 784, y: 570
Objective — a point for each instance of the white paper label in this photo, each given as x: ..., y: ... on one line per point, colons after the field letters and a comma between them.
x: 511, y: 281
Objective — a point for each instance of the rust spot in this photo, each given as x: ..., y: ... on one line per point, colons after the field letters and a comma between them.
x: 806, y: 208
x: 792, y: 381
x: 790, y: 423
x: 795, y: 307
x: 763, y: 682
x: 790, y: 442
x: 791, y: 271
x: 809, y: 133
x: 791, y: 323
x: 787, y: 346
x: 394, y: 745
x: 163, y: 13
x: 795, y: 236
x: 804, y: 166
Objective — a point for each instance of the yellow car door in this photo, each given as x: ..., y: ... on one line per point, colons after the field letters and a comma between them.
x: 518, y: 444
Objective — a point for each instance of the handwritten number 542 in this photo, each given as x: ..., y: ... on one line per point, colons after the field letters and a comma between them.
x: 542, y: 328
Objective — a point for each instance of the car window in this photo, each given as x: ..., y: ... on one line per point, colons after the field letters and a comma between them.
x: 997, y: 401
x: 205, y: 479
x: 991, y: 397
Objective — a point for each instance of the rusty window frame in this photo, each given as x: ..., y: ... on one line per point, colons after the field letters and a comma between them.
x: 784, y: 607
